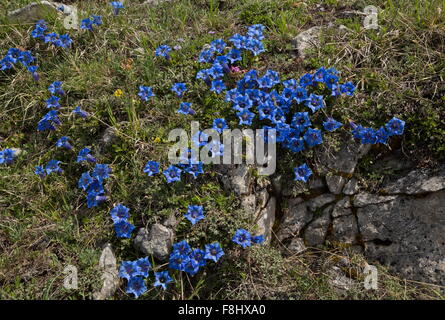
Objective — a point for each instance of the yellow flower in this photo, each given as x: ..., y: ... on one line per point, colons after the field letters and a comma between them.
x: 157, y: 140
x: 118, y: 93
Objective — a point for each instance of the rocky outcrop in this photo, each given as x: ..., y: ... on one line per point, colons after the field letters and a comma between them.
x: 38, y: 10
x: 157, y: 242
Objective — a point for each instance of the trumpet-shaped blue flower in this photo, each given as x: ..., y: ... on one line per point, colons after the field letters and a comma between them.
x: 194, y: 214
x: 151, y: 168
x: 53, y: 102
x: 314, y: 102
x: 301, y: 120
x: 185, y: 108
x: 179, y: 88
x: 302, y: 173
x: 172, y: 174
x: 56, y: 88
x: 101, y: 172
x: 313, y: 137
x: 163, y: 51
x: 136, y: 286
x: 81, y: 113
x: 145, y: 93
x: 144, y: 266
x: 85, y: 181
x: 119, y: 213
x: 7, y: 156
x: 331, y: 124
x: 218, y: 86
x: 213, y: 251
x: 242, y: 237
x: 123, y: 229
x: 198, y: 256
x: 53, y: 166
x: 162, y: 279
x: 128, y: 269
x: 395, y: 126
x: 84, y: 155
x: 63, y: 142
x: 182, y: 247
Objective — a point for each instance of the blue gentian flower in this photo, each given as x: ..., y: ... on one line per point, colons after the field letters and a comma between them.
x: 278, y: 116
x: 97, y: 20
x: 206, y: 56
x: 265, y: 82
x: 38, y: 32
x: 123, y: 229
x: 331, y: 124
x: 117, y: 5
x: 101, y: 172
x: 33, y: 71
x: 291, y: 84
x: 93, y: 200
x: 86, y: 24
x: 136, y: 286
x: 348, y: 88
x: 83, y: 114
x: 213, y: 251
x: 172, y: 173
x: 242, y: 237
x: 218, y: 45
x: 144, y: 266
x: 194, y: 214
x: 56, y: 88
x: 368, y: 136
x: 245, y: 117
x: 320, y: 75
x: 218, y: 86
x: 162, y: 51
x: 234, y: 55
x: 26, y: 58
x: 96, y: 188
x: 84, y: 155
x: 151, y: 168
x: 162, y: 279
x: 191, y: 267
x: 265, y: 111
x: 282, y: 132
x: 314, y: 102
x: 198, y: 256
x: 182, y: 247
x: 382, y: 135
x: 300, y: 94
x: 258, y: 239
x: 178, y: 261
x: 85, y: 181
x: 51, y: 37
x: 194, y: 169
x: 7, y: 156
x: 14, y: 54
x: 313, y: 137
x: 64, y: 41
x: 49, y: 121
x: 273, y: 75
x: 219, y: 125
x: 302, y: 173
x: 255, y: 46
x: 237, y: 40
x: 306, y: 80
x: 6, y: 63
x: 395, y: 126
x: 128, y: 269
x: 119, y: 213
x: 288, y: 94
x: 63, y: 142
x: 53, y: 166
x: 216, y: 71
x: 53, y: 102
x: 295, y: 144
x: 179, y: 88
x: 145, y: 93
x: 331, y: 81
x: 40, y: 171
x: 242, y: 102
x: 185, y: 108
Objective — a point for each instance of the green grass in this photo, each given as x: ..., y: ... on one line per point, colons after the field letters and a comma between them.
x: 45, y: 225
